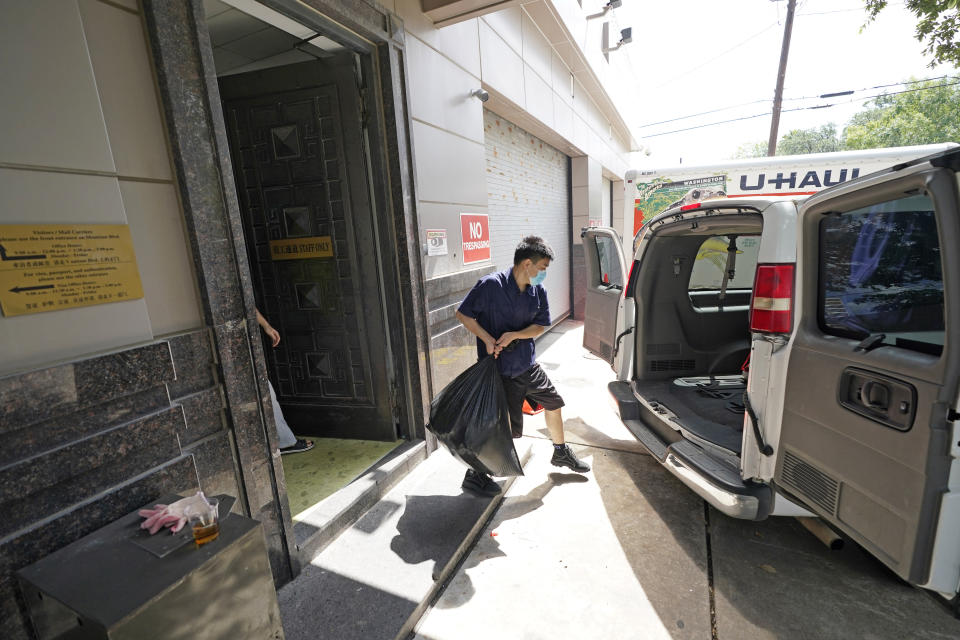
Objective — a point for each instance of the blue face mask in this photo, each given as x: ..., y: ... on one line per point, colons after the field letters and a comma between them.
x: 539, y: 278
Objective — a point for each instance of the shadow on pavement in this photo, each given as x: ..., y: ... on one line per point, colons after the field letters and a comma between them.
x: 325, y: 605
x: 511, y: 507
x: 431, y: 527
x: 577, y: 431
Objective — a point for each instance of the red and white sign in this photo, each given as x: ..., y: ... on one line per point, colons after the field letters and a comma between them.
x: 475, y: 232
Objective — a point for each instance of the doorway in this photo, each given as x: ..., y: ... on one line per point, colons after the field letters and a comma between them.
x: 294, y: 120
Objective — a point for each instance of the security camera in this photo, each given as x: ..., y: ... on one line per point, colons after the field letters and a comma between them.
x: 626, y: 37
x: 613, y: 4
x: 480, y: 94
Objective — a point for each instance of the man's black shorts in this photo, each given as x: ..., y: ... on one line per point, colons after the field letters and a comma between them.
x: 533, y: 384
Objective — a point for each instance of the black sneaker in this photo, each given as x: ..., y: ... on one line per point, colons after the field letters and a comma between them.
x: 299, y: 446
x: 480, y: 484
x: 565, y: 457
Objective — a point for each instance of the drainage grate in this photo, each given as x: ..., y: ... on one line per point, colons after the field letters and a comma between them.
x: 810, y: 482
x: 672, y: 365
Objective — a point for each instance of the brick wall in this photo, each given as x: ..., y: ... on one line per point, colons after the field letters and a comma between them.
x: 528, y: 193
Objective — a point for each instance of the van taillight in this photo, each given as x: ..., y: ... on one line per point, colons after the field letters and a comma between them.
x: 626, y: 287
x: 772, y: 309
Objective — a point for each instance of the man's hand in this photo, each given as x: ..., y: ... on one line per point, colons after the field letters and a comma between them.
x: 504, y: 341
x: 492, y: 348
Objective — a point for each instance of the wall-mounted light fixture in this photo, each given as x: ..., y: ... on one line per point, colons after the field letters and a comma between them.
x: 613, y: 4
x: 480, y: 95
x: 626, y: 37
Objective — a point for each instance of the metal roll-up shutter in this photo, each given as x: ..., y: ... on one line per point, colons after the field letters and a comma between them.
x: 528, y: 193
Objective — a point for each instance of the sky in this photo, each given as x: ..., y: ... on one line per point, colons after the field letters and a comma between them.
x: 692, y: 56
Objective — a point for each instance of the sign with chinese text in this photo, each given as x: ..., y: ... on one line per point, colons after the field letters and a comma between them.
x: 436, y: 242
x: 301, y: 248
x: 45, y: 267
x: 475, y: 233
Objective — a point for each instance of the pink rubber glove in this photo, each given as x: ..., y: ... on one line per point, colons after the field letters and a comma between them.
x: 173, y: 515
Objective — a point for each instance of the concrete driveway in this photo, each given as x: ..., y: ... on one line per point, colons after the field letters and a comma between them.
x: 627, y: 552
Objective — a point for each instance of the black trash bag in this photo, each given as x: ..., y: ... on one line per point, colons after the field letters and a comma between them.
x: 471, y: 418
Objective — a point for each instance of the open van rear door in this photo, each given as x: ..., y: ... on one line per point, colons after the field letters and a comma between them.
x: 870, y: 426
x: 606, y: 279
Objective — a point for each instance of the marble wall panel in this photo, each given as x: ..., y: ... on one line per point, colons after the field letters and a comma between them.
x: 193, y: 362
x: 56, y: 391
x: 31, y: 440
x: 123, y: 373
x: 37, y: 487
x: 203, y: 415
x: 216, y: 466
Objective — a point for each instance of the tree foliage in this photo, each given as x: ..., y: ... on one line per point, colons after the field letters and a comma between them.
x: 821, y: 139
x: 796, y: 142
x: 751, y: 150
x: 926, y: 114
x: 938, y: 22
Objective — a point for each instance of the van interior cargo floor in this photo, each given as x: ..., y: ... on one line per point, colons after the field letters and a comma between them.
x: 710, y: 411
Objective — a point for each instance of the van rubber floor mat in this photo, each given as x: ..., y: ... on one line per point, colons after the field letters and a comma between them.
x: 705, y: 415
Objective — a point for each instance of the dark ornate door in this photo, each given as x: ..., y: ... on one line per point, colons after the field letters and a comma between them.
x: 296, y: 145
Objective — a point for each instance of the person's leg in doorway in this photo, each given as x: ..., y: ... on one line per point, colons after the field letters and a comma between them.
x: 287, y: 442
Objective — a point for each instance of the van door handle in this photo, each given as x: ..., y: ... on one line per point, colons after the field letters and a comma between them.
x: 878, y: 397
x: 875, y: 395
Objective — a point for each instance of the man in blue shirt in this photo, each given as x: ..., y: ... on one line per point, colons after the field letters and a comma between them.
x: 506, y: 311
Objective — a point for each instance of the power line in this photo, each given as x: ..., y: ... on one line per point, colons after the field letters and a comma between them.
x: 820, y: 106
x: 703, y: 113
x: 817, y: 97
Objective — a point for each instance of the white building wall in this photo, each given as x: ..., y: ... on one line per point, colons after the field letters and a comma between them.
x: 531, y: 85
x: 82, y: 141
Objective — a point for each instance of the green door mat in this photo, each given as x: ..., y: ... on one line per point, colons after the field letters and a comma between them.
x: 332, y: 464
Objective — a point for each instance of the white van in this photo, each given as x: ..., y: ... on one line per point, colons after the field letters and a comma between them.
x: 786, y: 357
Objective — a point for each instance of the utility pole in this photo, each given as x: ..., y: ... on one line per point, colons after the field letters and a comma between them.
x: 781, y: 74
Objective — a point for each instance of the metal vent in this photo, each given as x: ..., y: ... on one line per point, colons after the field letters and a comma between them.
x: 672, y: 365
x: 664, y: 349
x: 810, y: 482
x: 606, y: 351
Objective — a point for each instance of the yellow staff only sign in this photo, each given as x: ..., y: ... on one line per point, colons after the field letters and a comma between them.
x: 301, y: 248
x: 45, y: 267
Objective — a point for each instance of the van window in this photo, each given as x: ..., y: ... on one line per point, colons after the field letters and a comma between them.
x: 608, y: 261
x: 711, y: 262
x: 880, y: 272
